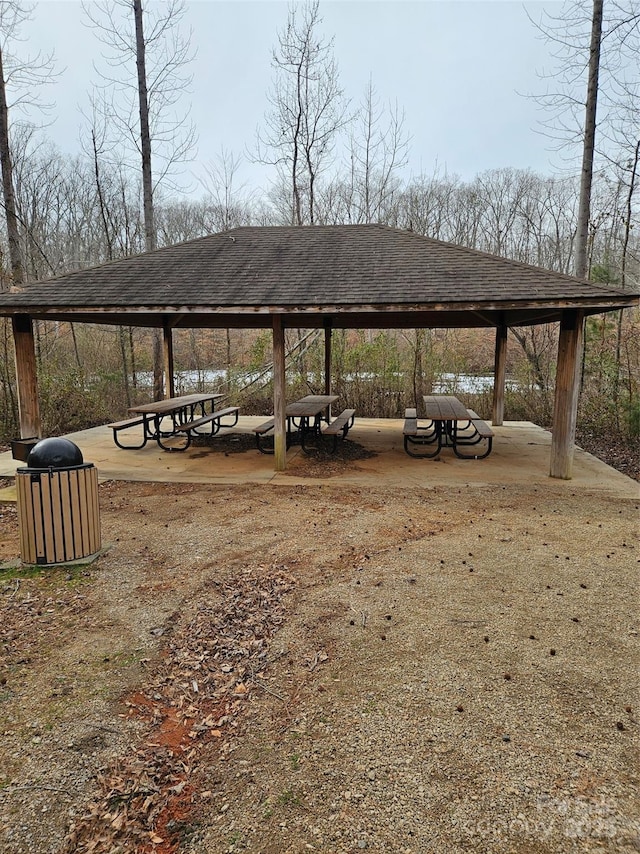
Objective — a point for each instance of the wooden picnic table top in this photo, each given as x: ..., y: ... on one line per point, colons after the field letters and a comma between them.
x: 173, y: 404
x: 312, y: 404
x: 444, y: 407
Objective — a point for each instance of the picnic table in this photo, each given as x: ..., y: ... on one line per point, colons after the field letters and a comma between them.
x: 305, y: 421
x: 448, y: 424
x: 174, y: 421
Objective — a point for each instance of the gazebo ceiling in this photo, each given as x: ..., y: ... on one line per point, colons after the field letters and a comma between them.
x: 350, y: 276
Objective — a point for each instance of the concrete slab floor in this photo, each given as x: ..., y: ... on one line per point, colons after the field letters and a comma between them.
x: 521, y: 455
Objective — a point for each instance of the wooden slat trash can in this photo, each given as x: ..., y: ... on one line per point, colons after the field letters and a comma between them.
x: 58, y: 511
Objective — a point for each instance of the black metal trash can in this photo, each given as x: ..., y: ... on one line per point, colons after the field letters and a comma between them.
x: 58, y: 510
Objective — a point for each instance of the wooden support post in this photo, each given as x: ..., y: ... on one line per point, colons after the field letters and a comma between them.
x: 565, y: 406
x: 499, y: 375
x: 279, y: 401
x: 327, y: 360
x: 167, y: 348
x: 26, y: 376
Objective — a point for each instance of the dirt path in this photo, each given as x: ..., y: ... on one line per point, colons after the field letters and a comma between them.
x: 310, y: 668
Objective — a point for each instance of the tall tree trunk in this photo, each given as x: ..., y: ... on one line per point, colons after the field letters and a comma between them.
x: 76, y: 351
x: 145, y: 135
x: 147, y: 182
x: 101, y: 201
x: 13, y: 234
x: 533, y: 357
x: 122, y: 340
x: 623, y: 277
x: 586, y: 176
x: 9, y: 400
x: 121, y: 332
x: 629, y: 212
x: 132, y: 358
x: 421, y: 340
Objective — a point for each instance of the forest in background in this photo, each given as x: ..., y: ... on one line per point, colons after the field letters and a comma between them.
x: 331, y: 163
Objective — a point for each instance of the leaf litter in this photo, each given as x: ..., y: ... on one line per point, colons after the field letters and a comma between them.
x: 205, y: 674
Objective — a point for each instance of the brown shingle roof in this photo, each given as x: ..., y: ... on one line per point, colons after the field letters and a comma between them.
x: 316, y: 266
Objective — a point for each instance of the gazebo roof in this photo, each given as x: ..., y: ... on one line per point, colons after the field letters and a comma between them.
x: 348, y: 275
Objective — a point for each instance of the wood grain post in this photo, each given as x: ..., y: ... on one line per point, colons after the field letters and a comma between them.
x: 167, y: 350
x: 565, y: 406
x: 279, y: 401
x: 26, y: 376
x: 499, y: 375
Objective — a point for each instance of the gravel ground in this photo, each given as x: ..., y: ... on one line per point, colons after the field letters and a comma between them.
x: 279, y: 670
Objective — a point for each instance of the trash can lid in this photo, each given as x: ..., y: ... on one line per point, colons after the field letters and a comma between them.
x: 54, y: 453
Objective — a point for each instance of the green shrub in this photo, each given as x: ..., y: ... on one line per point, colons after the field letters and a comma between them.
x: 67, y: 403
x: 633, y: 418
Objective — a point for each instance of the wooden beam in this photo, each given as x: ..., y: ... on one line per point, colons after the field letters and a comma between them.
x: 499, y: 375
x: 438, y: 316
x: 279, y: 397
x: 26, y: 377
x: 565, y: 407
x: 167, y: 348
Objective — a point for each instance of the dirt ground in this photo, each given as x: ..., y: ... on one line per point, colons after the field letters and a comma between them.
x: 285, y: 669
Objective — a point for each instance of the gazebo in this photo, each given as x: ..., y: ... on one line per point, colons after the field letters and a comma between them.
x: 334, y: 276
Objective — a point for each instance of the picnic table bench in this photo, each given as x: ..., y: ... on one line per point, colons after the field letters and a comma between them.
x: 304, y: 419
x: 214, y: 419
x: 481, y: 430
x: 126, y: 424
x: 418, y: 436
x: 337, y: 428
x: 174, y: 421
x: 449, y: 423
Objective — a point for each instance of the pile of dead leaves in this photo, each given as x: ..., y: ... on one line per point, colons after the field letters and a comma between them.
x: 323, y: 462
x: 30, y: 614
x: 619, y: 452
x: 194, y: 694
x: 230, y: 443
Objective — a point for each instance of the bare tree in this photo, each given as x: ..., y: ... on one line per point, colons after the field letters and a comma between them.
x: 98, y: 132
x: 228, y: 205
x: 427, y: 205
x: 378, y: 148
x: 146, y: 61
x: 501, y: 194
x: 13, y: 234
x: 20, y: 77
x: 160, y: 56
x: 147, y: 180
x: 145, y: 133
x: 307, y: 110
x: 589, y: 41
x: 623, y: 131
x: 589, y: 141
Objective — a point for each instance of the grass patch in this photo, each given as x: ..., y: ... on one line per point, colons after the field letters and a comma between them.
x: 289, y: 798
x: 69, y: 572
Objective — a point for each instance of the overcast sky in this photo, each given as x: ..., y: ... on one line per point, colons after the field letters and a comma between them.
x: 455, y: 68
